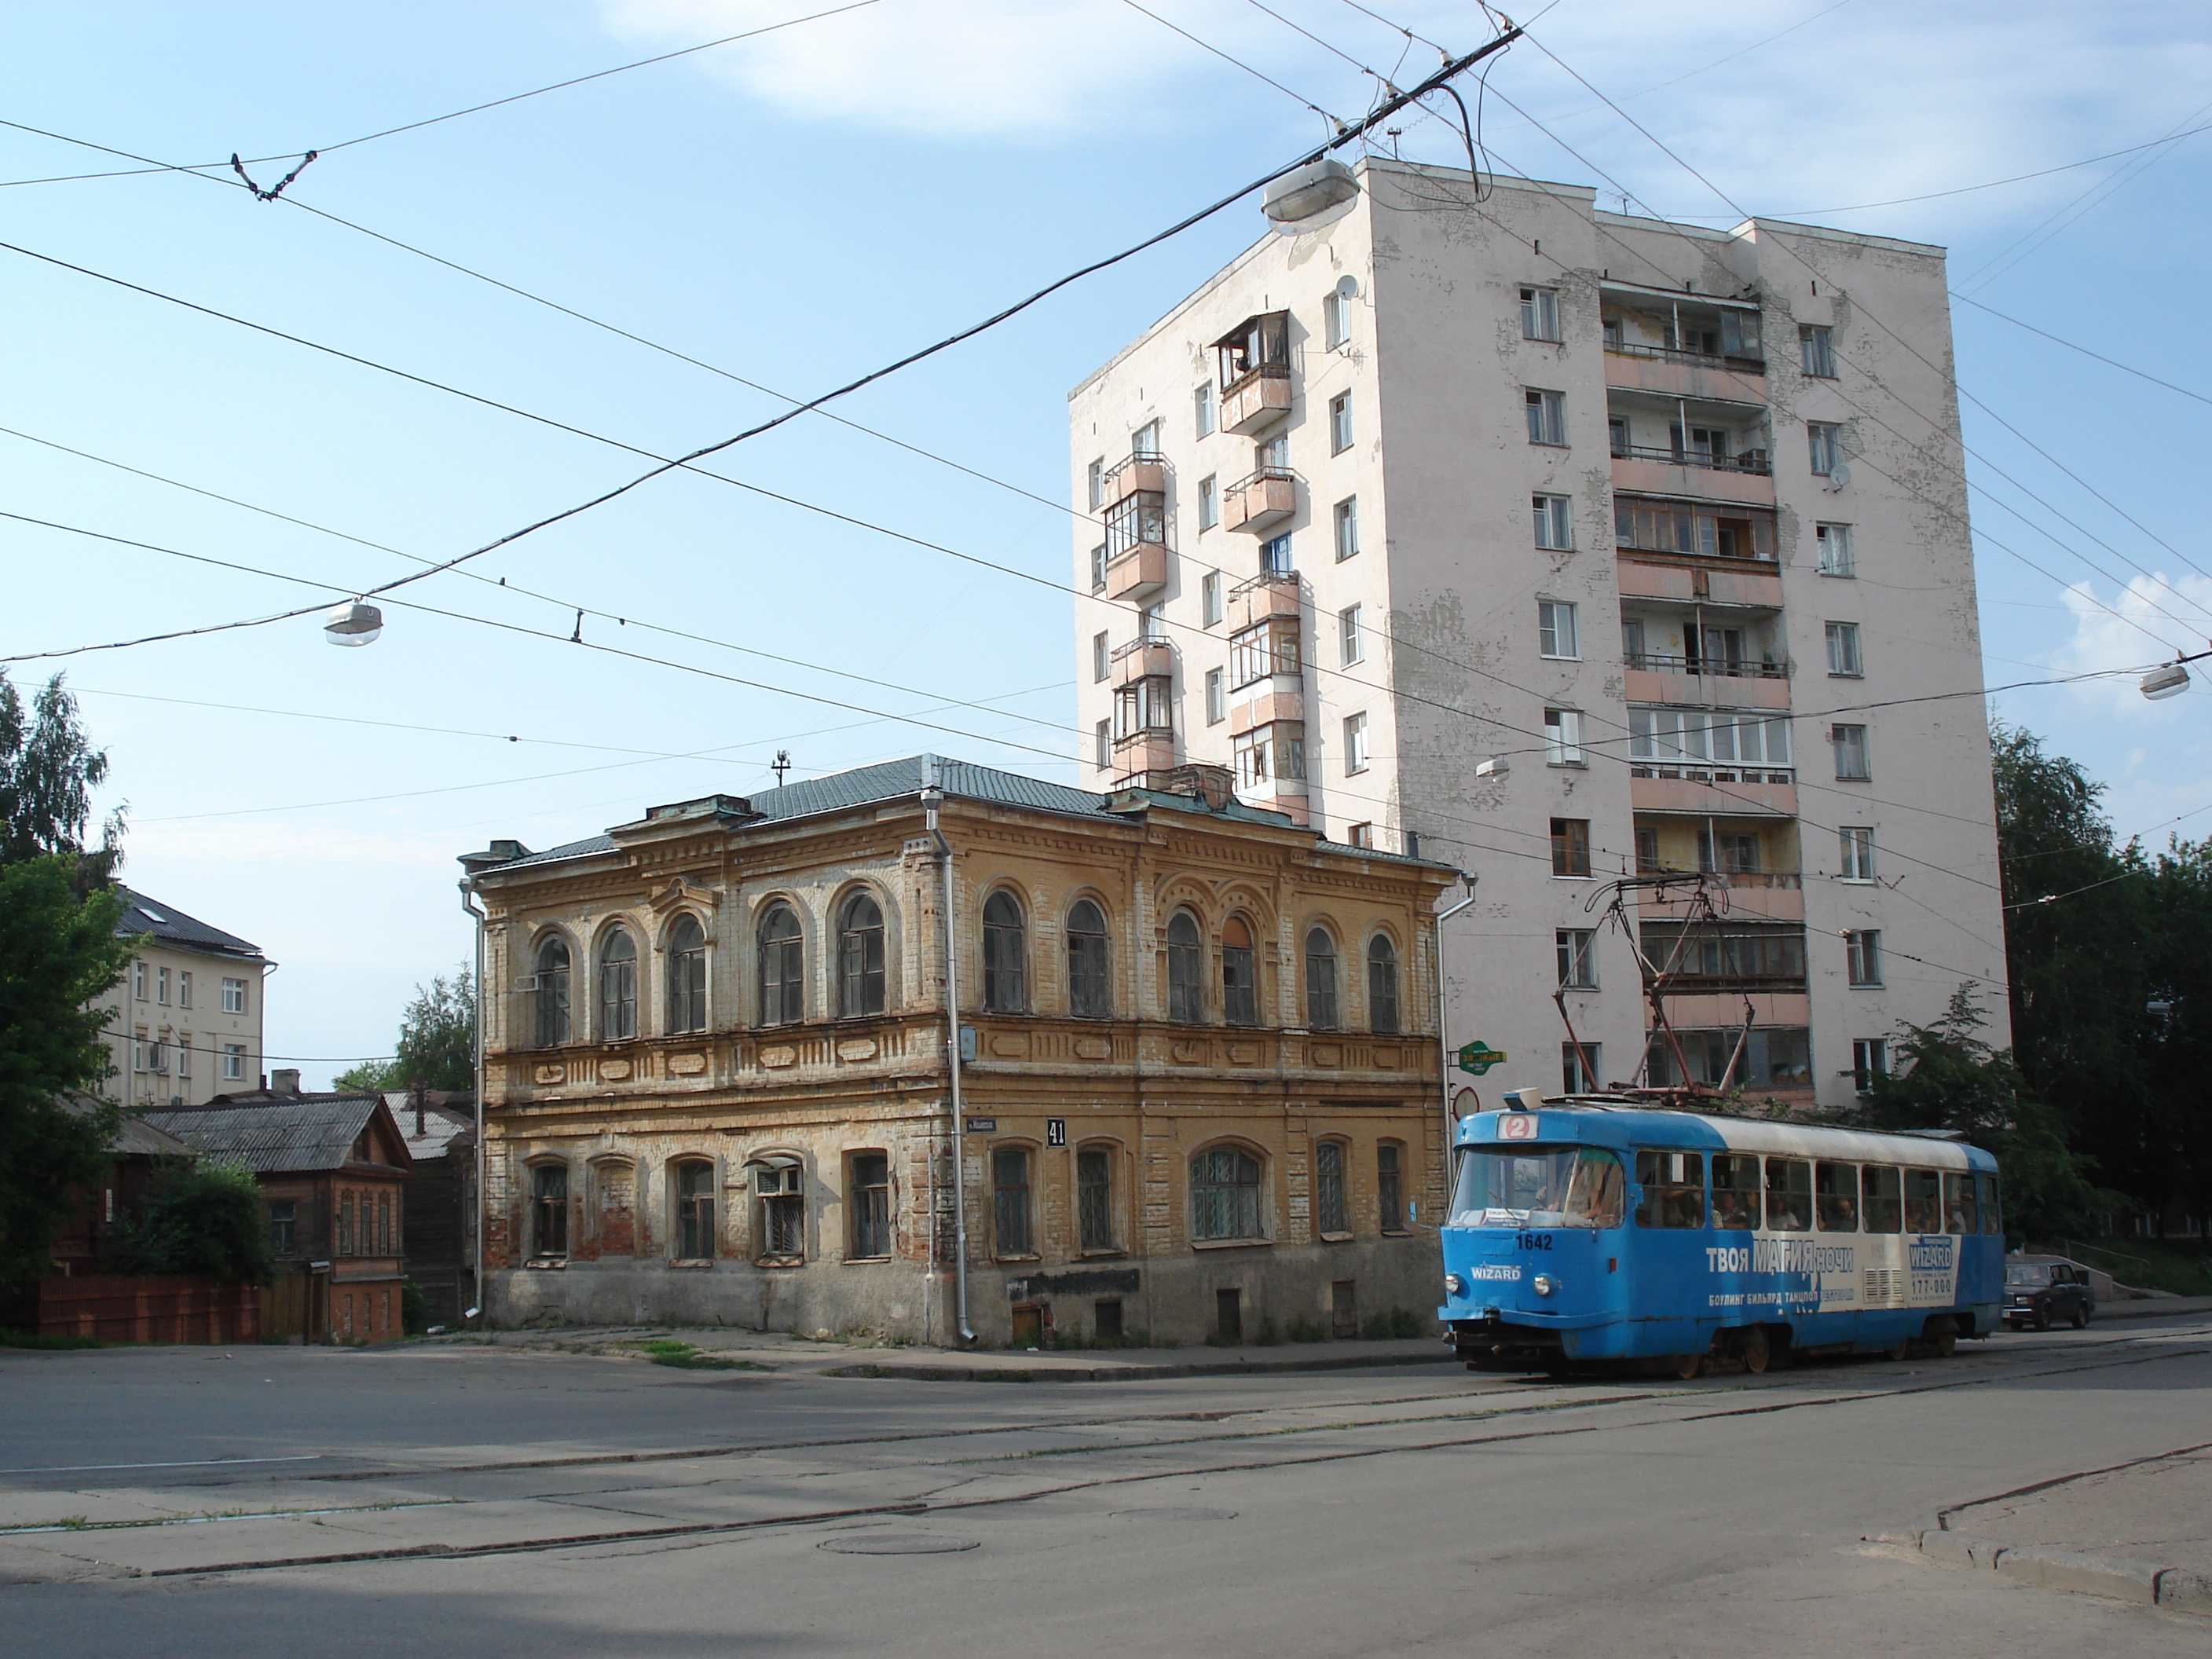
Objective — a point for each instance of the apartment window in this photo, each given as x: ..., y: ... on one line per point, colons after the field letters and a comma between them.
x: 1098, y: 483
x: 1857, y: 850
x: 1849, y: 742
x: 861, y: 956
x: 1321, y: 980
x: 1185, y: 969
x: 1359, y: 834
x: 1087, y: 995
x: 687, y: 975
x: 1647, y: 852
x: 1144, y: 441
x: 1272, y: 647
x: 1555, y: 630
x: 1102, y: 657
x: 1577, y: 959
x: 1217, y: 697
x: 141, y: 979
x: 185, y: 1056
x: 283, y: 1227
x: 1727, y: 852
x: 1581, y: 1065
x: 780, y: 1189
x: 617, y: 986
x: 1347, y: 528
x: 234, y: 1061
x: 1094, y: 1198
x: 1355, y: 743
x: 1351, y: 646
x: 1816, y: 349
x: 549, y: 1210
x: 1863, y: 954
x: 1335, y: 324
x: 142, y: 1052
x: 233, y: 996
x: 1869, y: 1060
x: 1834, y: 542
x: 1825, y: 441
x: 185, y: 989
x: 1340, y: 424
x: 1390, y: 1206
x: 1570, y: 847
x: 1209, y: 503
x: 1201, y: 410
x: 1616, y: 435
x: 1563, y: 737
x: 161, y: 987
x: 1101, y: 744
x: 1224, y: 1194
x: 1010, y: 1232
x: 1540, y: 314
x: 1332, y: 1205
x: 1382, y: 986
x: 1240, y: 991
x: 1209, y: 598
x: 872, y: 1204
x: 1843, y: 651
x: 1098, y: 567
x: 1275, y: 555
x: 694, y: 1211
x: 1006, y: 955
x: 782, y: 963
x: 1547, y: 416
x: 1554, y: 528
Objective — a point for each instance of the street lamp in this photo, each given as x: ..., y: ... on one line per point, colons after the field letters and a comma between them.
x: 2169, y: 679
x: 1498, y: 767
x: 1307, y: 196
x: 355, y: 622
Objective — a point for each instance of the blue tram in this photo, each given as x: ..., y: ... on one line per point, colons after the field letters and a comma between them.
x: 1586, y: 1231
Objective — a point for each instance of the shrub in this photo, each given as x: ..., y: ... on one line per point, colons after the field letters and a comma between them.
x: 204, y: 1218
x: 414, y: 1308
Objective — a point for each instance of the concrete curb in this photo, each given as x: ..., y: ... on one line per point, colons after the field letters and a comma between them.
x: 2146, y: 1584
x: 913, y: 1373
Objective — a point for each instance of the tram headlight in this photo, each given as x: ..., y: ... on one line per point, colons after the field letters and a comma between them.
x: 1455, y: 1285
x: 1543, y: 1283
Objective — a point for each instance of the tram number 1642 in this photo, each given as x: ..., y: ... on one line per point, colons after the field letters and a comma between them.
x: 1533, y: 1241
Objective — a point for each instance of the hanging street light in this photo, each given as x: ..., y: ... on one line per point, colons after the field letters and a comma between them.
x: 355, y: 622
x: 1308, y: 196
x: 2169, y: 679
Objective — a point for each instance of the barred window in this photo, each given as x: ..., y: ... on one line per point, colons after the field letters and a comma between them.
x: 1332, y: 1207
x: 1224, y: 1194
x: 1094, y: 1197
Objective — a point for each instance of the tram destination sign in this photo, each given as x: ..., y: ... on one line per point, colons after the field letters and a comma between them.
x: 1476, y: 1057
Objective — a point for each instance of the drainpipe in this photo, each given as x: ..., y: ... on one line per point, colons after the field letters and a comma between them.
x: 476, y: 1283
x: 932, y: 799
x: 1443, y: 1041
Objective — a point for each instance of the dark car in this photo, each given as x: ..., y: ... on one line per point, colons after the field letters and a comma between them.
x: 2038, y: 1293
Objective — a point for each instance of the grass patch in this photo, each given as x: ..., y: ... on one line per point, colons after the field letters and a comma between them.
x: 2182, y: 1266
x: 31, y: 1340
x: 667, y: 1350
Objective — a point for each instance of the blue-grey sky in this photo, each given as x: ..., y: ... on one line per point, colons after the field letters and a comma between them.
x: 799, y: 208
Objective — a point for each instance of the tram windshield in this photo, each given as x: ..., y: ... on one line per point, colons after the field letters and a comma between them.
x: 1579, y: 1187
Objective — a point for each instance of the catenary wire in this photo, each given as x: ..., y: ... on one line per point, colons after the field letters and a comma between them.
x: 2111, y: 363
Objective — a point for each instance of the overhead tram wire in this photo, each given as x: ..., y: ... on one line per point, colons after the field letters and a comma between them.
x: 2109, y: 362
x: 1228, y: 58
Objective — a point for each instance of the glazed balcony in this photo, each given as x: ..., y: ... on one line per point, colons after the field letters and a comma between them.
x: 1259, y: 504
x: 1255, y: 361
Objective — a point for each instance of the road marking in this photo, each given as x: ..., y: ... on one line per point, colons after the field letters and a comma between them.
x: 188, y: 1463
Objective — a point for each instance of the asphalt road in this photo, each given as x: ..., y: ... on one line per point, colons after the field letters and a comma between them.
x: 292, y: 1502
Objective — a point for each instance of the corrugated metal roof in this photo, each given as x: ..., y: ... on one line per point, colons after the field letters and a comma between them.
x: 165, y: 922
x: 280, y: 1137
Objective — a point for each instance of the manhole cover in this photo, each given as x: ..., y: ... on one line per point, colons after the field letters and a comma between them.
x: 897, y: 1543
x: 1172, y: 1512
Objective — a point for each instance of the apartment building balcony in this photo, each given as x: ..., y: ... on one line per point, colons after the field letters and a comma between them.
x: 1141, y: 751
x: 1277, y: 697
x: 1753, y: 895
x: 1632, y: 366
x: 1255, y: 363
x: 1138, y: 475
x: 1139, y: 573
x: 1665, y: 677
x: 1143, y: 658
x: 1703, y: 790
x: 1689, y: 579
x: 1747, y: 477
x: 1258, y: 504
x: 1724, y: 1010
x: 1272, y: 593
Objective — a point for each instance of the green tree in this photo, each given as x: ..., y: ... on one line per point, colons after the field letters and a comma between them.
x: 48, y: 770
x: 205, y: 1218
x: 437, y: 1042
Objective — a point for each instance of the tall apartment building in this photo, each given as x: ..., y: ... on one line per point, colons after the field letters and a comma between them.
x: 185, y: 1023
x: 1671, y: 519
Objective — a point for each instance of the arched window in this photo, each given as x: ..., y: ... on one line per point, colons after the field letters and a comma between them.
x: 1332, y: 1196
x: 782, y: 965
x: 1240, y: 1000
x: 861, y: 956
x: 1224, y: 1194
x: 1382, y: 986
x: 552, y: 993
x: 1087, y: 996
x: 1012, y: 1233
x: 687, y: 975
x: 694, y: 1211
x: 1321, y: 980
x: 549, y: 1209
x: 1094, y: 1197
x: 1185, y: 969
x: 1005, y: 985
x: 618, y: 985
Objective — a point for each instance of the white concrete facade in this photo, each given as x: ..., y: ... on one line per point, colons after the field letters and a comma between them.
x: 1683, y: 444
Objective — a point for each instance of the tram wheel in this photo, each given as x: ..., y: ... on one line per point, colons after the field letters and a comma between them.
x: 1941, y: 1340
x: 1687, y: 1365
x: 1756, y: 1353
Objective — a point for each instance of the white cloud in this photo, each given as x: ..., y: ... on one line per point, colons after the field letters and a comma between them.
x: 2124, y: 633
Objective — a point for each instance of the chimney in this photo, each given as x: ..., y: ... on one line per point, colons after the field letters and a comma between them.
x: 285, y: 1080
x: 421, y: 1090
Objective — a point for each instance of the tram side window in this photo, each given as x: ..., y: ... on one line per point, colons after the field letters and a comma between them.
x: 1992, y: 1210
x: 1959, y: 1204
x: 1923, y: 1201
x: 1673, y: 1189
x: 1836, y: 1197
x: 1883, y: 1211
x: 1788, y: 1195
x: 1735, y: 1191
